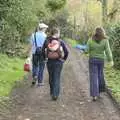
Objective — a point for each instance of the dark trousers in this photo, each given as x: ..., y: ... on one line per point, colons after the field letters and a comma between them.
x: 54, y: 71
x: 97, y: 82
x: 38, y: 67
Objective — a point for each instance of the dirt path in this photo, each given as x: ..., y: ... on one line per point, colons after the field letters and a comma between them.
x: 74, y: 103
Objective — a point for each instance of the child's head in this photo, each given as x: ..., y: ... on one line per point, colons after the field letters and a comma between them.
x: 55, y: 32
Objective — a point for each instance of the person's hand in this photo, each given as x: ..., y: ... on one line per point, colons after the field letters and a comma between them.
x: 111, y: 63
x: 28, y: 60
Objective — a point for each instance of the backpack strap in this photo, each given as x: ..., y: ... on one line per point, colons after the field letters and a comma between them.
x: 35, y: 39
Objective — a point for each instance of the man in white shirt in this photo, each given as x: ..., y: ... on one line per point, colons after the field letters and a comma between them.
x: 37, y: 40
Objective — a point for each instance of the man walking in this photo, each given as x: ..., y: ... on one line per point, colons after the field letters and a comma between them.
x: 38, y: 64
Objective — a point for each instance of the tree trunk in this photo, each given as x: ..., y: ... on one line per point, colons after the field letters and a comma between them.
x: 104, y: 12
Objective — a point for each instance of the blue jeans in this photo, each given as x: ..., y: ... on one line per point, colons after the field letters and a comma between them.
x: 38, y: 67
x: 54, y: 71
x: 97, y: 82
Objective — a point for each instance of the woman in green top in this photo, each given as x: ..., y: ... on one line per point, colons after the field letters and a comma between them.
x: 98, y: 47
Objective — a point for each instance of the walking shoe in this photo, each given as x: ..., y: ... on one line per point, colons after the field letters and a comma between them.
x: 33, y: 83
x: 34, y: 80
x: 40, y: 84
x: 94, y: 98
x: 54, y: 98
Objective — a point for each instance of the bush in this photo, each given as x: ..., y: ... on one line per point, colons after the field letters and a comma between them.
x: 60, y: 20
x: 18, y: 18
x: 114, y: 38
x: 55, y: 5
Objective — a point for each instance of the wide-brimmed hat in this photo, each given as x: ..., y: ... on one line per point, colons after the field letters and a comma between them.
x: 42, y: 25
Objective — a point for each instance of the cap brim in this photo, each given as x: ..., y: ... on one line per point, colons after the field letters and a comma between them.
x: 43, y: 26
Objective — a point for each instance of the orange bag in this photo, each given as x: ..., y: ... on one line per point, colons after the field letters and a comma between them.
x: 27, y: 66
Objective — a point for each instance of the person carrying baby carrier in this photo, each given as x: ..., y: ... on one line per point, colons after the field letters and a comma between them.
x: 55, y: 51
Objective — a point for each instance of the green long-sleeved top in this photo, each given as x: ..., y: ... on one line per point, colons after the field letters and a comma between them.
x: 99, y: 50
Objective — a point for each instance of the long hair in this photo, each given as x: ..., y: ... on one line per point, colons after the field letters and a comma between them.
x: 99, y: 34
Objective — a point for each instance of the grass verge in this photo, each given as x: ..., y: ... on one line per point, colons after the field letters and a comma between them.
x: 11, y: 70
x: 113, y: 81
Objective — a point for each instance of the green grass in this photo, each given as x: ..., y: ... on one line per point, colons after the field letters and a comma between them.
x: 113, y: 81
x: 11, y: 70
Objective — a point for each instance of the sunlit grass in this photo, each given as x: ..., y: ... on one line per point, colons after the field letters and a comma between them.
x: 113, y: 81
x: 11, y: 70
